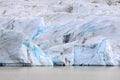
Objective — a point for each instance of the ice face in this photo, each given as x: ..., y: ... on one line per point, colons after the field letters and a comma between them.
x: 95, y: 54
x: 11, y: 48
x: 37, y: 54
x: 51, y: 28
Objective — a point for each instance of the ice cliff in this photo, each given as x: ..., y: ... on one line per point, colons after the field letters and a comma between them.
x: 95, y: 54
x: 59, y: 33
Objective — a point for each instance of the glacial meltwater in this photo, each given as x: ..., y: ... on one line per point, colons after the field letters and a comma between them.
x: 60, y: 73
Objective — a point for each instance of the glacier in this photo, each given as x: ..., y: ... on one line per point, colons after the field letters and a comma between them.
x: 11, y: 48
x: 58, y: 33
x: 17, y: 51
x: 37, y: 56
x: 99, y: 54
x: 86, y: 44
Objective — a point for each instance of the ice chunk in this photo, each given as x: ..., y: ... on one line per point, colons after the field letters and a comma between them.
x: 17, y: 51
x: 95, y: 54
x: 62, y: 55
x: 11, y: 51
x: 36, y: 56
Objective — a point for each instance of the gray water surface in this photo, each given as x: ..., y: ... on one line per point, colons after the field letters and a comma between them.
x: 59, y: 73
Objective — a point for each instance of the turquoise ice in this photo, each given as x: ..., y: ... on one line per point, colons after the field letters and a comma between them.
x: 42, y: 58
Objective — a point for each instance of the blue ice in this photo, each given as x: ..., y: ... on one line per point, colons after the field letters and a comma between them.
x: 41, y: 29
x: 33, y: 48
